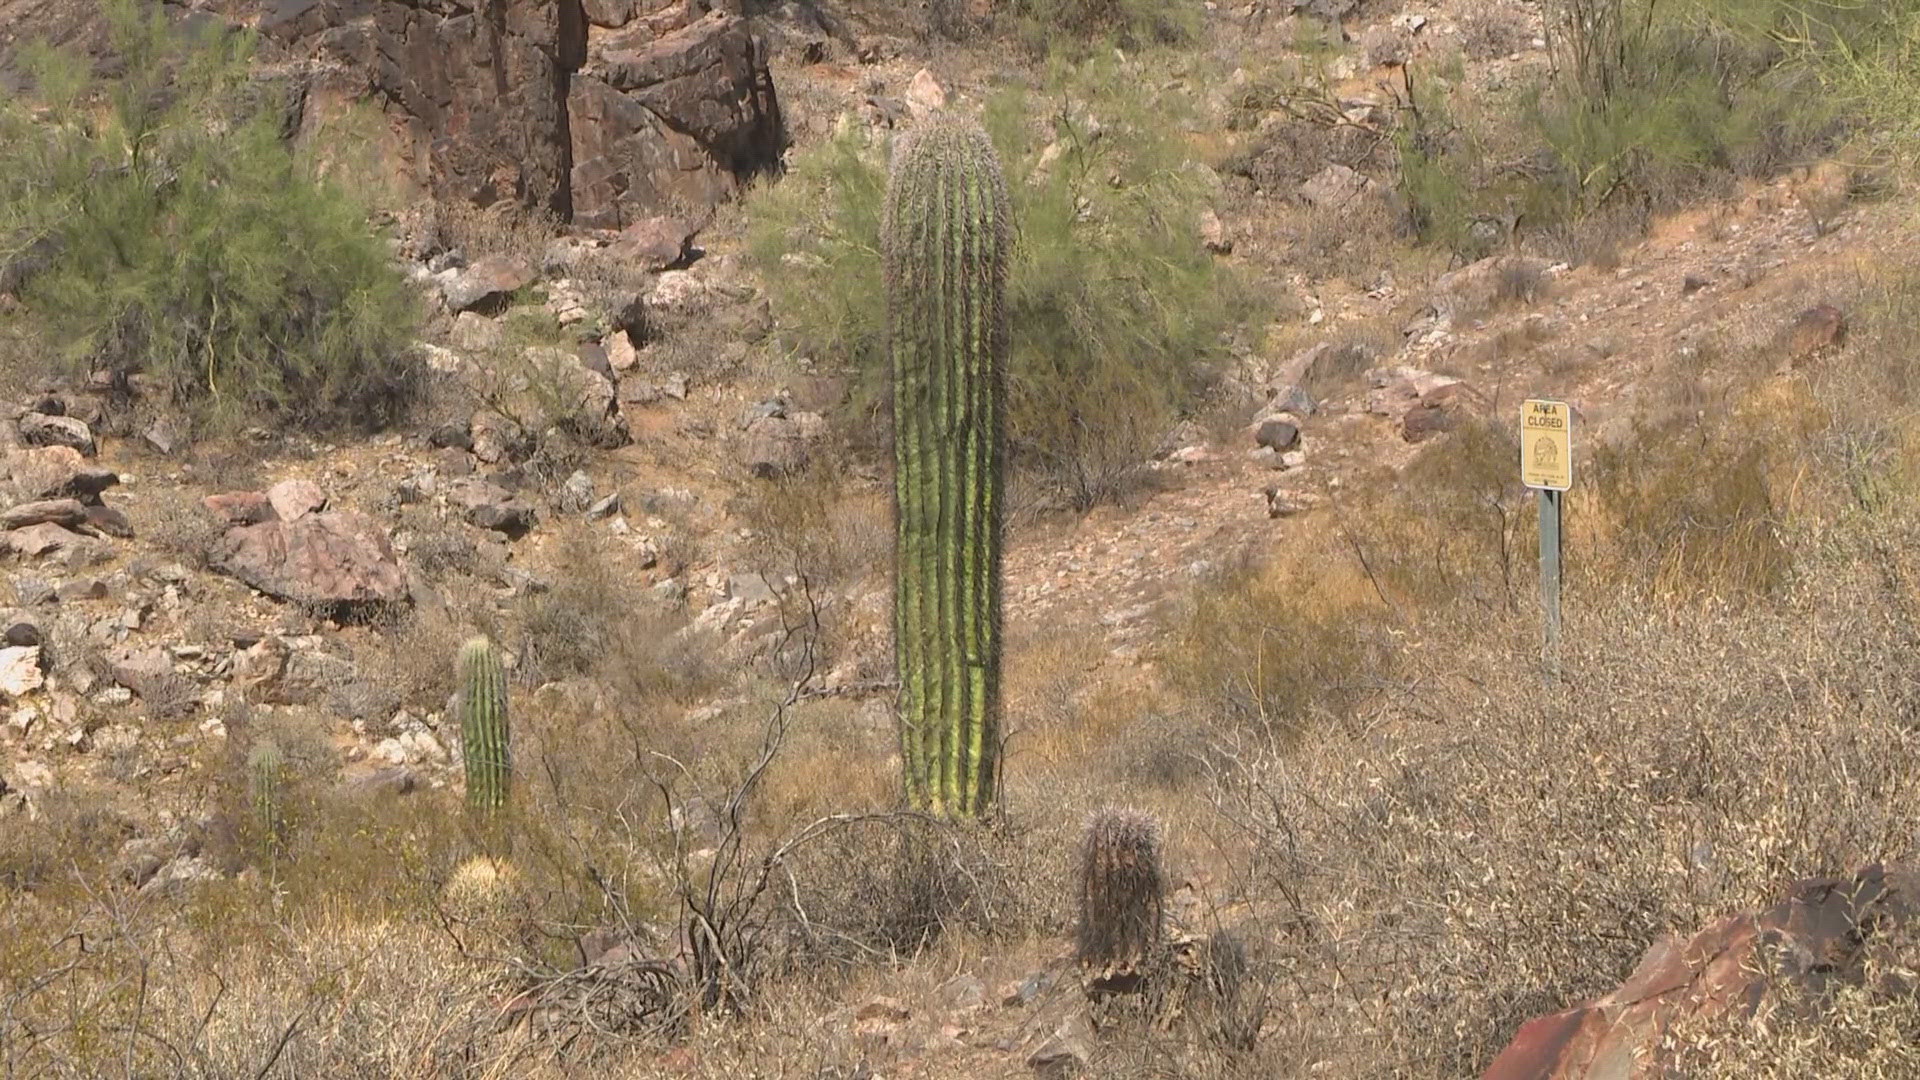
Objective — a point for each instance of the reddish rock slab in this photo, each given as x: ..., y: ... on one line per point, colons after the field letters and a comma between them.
x: 240, y: 507
x: 330, y: 558
x: 1820, y: 931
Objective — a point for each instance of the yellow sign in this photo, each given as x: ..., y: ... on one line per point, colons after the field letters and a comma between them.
x: 1546, y: 445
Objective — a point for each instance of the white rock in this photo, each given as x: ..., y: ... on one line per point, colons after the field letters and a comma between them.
x: 20, y: 670
x: 391, y: 751
x: 32, y: 774
x: 925, y: 94
x: 422, y: 746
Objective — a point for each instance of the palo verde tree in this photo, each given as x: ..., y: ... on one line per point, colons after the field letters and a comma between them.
x: 945, y: 237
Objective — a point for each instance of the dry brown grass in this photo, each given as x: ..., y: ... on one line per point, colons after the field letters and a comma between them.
x: 1420, y: 840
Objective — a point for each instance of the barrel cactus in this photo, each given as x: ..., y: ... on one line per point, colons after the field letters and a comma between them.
x: 481, y: 703
x: 945, y: 238
x: 1122, y: 898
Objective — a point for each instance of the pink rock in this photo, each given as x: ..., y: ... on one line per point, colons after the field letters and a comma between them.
x: 295, y: 499
x: 240, y: 507
x: 1822, y: 930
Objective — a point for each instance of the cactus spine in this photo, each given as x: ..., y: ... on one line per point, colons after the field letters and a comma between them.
x: 1122, y: 898
x: 945, y: 240
x: 266, y: 769
x: 481, y: 701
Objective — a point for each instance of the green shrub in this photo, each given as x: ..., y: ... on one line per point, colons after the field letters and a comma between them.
x: 190, y: 242
x: 1652, y: 103
x: 1131, y: 24
x: 1115, y: 307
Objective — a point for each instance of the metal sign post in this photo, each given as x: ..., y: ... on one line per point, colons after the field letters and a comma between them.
x: 1546, y: 465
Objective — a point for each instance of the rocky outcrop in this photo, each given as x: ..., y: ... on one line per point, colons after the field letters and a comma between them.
x: 603, y: 113
x: 674, y: 119
x: 1819, y: 935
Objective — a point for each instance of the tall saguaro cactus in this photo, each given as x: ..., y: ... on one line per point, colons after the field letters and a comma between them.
x: 481, y: 700
x: 266, y: 769
x: 945, y: 235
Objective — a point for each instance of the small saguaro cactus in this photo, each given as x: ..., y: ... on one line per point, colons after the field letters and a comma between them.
x: 945, y: 239
x: 266, y: 774
x: 1122, y: 898
x: 481, y: 701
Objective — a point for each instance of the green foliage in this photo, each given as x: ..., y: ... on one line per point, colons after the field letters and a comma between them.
x: 1115, y: 308
x: 481, y: 701
x: 187, y: 240
x: 1653, y: 102
x: 1122, y: 895
x: 1078, y: 25
x: 946, y: 232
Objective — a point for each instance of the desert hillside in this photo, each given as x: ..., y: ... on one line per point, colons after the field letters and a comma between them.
x: 476, y: 604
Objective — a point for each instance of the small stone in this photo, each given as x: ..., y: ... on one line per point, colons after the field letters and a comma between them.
x: 487, y: 283
x: 39, y: 429
x: 294, y: 499
x: 81, y: 589
x: 964, y: 992
x: 1213, y: 233
x: 474, y: 332
x: 1066, y: 1052
x: 21, y: 630
x: 1280, y: 433
x: 576, y: 494
x: 454, y: 433
x: 925, y: 94
x: 165, y: 435
x: 497, y: 439
x: 883, y: 1008
x: 655, y: 244
x: 621, y: 355
x: 240, y: 507
x: 605, y: 508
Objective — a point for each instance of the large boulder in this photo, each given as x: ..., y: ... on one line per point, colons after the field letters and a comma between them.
x: 670, y: 120
x: 1820, y: 935
x: 332, y: 559
x: 539, y: 103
